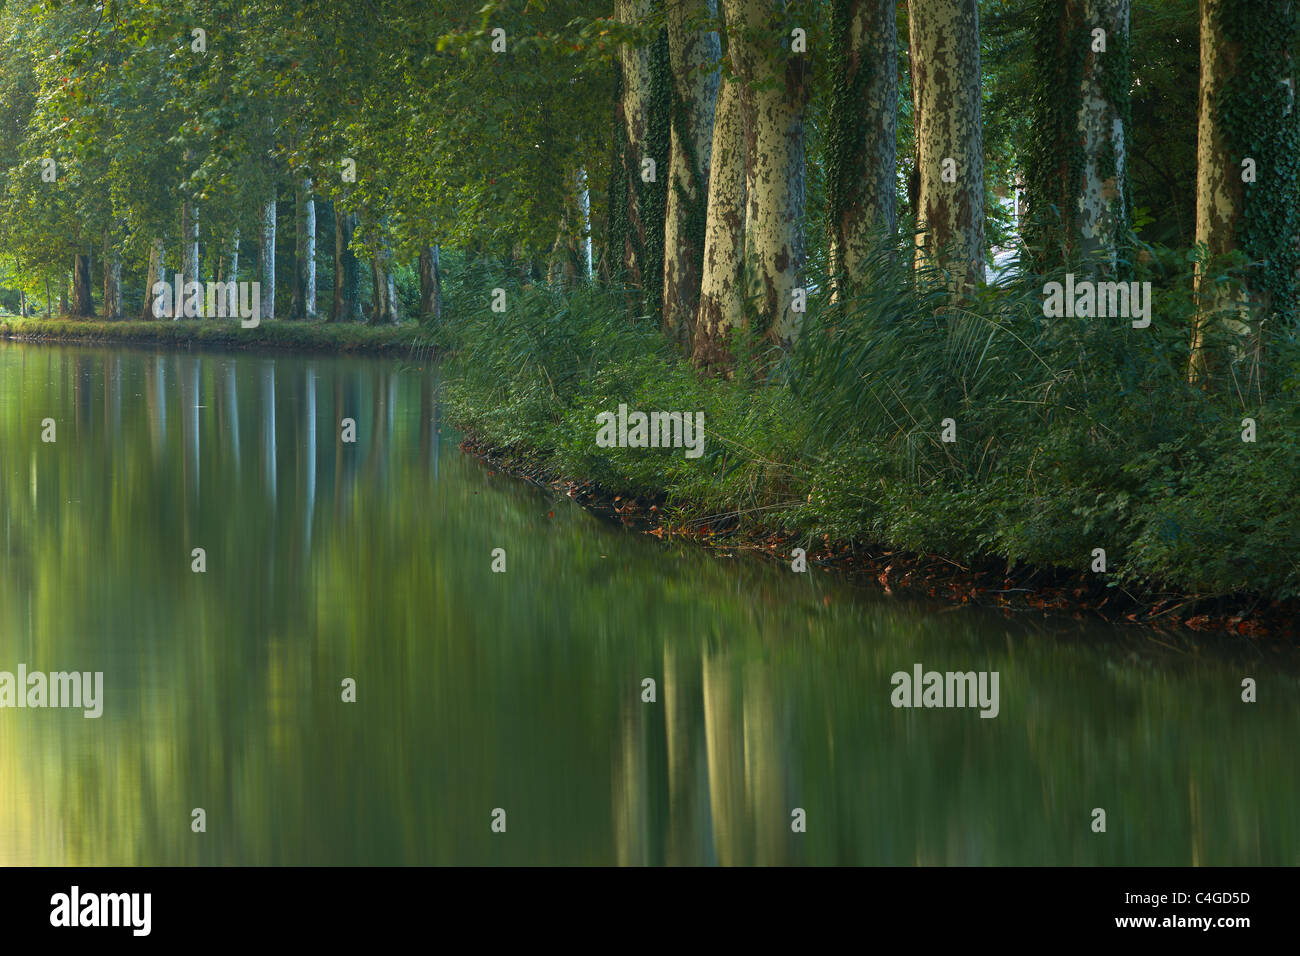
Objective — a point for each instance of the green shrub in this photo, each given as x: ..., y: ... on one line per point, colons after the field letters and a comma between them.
x: 1072, y: 434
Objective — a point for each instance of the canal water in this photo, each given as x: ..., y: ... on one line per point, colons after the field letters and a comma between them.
x: 516, y: 701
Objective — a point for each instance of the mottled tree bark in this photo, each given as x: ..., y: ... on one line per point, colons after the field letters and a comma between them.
x: 634, y: 119
x: 1102, y: 203
x: 861, y: 133
x: 693, y: 54
x: 644, y: 115
x: 777, y: 89
x: 1077, y: 164
x: 945, y: 55
x: 722, y: 293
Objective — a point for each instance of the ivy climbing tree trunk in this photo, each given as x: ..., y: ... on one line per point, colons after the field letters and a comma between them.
x: 347, y: 273
x: 722, y: 293
x: 1247, y: 189
x: 645, y: 121
x: 613, y: 260
x: 228, y: 266
x: 945, y: 52
x: 652, y: 183
x: 266, y: 259
x: 778, y: 88
x: 378, y: 293
x: 1077, y: 161
x: 861, y: 133
x: 633, y: 127
x: 1104, y: 116
x: 430, y: 284
x: 112, y: 278
x: 303, y: 305
x: 384, y: 288
x: 693, y: 53
x: 83, y: 306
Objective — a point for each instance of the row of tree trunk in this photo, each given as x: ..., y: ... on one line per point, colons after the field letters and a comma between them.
x: 346, y: 306
x: 733, y: 247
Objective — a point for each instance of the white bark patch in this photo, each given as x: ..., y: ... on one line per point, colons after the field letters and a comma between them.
x: 1102, y: 132
x: 778, y: 94
x: 721, y: 295
x: 946, y: 71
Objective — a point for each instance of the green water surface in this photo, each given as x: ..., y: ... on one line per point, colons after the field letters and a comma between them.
x: 522, y: 691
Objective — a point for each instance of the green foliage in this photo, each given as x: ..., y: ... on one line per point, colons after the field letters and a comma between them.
x: 1072, y: 434
x: 452, y: 142
x: 1054, y: 158
x: 652, y: 198
x: 1163, y: 102
x: 617, y: 226
x: 1017, y: 41
x: 1257, y: 111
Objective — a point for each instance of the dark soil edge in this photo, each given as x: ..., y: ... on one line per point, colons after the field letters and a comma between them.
x: 988, y: 583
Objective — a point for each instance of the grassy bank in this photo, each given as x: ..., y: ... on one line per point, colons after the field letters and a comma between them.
x: 1071, y: 434
x: 211, y: 333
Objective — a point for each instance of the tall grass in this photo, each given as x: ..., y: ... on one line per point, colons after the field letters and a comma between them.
x: 1072, y: 434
